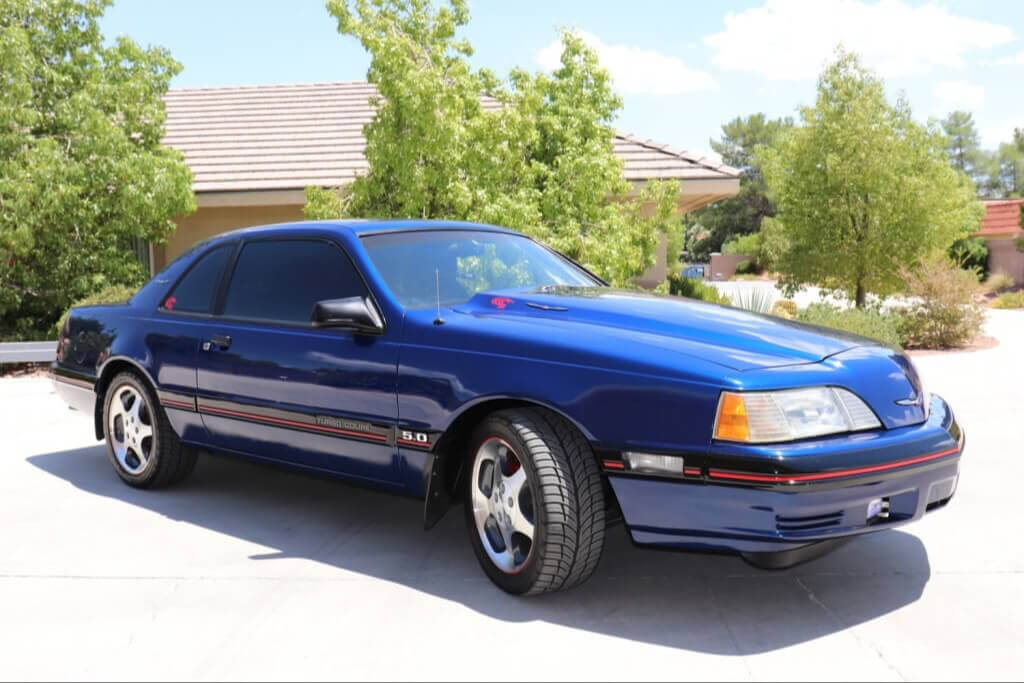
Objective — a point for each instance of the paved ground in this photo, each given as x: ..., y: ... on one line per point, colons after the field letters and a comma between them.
x: 246, y: 572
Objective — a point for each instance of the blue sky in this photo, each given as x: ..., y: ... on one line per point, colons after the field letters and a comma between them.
x: 683, y: 67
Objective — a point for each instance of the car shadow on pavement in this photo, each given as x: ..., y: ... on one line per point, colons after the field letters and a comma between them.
x: 706, y: 603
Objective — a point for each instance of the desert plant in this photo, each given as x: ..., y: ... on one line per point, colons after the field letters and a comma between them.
x: 754, y: 300
x: 695, y: 289
x: 971, y: 253
x: 1009, y: 300
x: 109, y: 295
x: 998, y: 282
x: 785, y: 308
x: 866, y: 322
x: 942, y: 313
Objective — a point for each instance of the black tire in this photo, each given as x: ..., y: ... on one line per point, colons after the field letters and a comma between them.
x: 169, y: 461
x: 568, y: 501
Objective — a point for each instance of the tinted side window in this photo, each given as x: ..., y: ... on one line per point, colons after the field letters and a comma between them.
x: 195, y: 291
x: 282, y: 280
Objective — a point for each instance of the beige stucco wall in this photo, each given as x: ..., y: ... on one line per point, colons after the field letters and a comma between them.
x: 208, y: 221
x: 1003, y: 257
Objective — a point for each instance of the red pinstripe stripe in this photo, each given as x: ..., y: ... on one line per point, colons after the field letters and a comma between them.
x: 178, y: 404
x: 819, y: 476
x: 292, y: 423
x: 419, y: 444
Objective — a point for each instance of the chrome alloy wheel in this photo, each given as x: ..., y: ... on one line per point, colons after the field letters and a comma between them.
x: 130, y: 425
x: 503, y: 505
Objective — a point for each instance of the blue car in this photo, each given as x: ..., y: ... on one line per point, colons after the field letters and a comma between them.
x: 468, y: 363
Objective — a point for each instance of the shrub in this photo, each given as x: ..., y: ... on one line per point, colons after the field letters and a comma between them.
x: 748, y: 245
x: 942, y: 313
x: 1019, y: 242
x: 883, y: 327
x: 971, y: 253
x: 1009, y: 300
x: 696, y: 289
x: 114, y: 294
x: 746, y: 267
x: 785, y: 308
x: 997, y: 282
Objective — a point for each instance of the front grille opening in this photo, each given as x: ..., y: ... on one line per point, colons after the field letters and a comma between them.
x: 808, y: 523
x: 938, y: 504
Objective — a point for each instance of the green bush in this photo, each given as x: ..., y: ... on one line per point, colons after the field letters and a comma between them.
x: 971, y: 253
x: 748, y: 245
x: 115, y: 294
x: 746, y: 267
x: 1009, y: 300
x: 696, y: 289
x: 884, y: 327
x: 1019, y: 242
x: 942, y: 313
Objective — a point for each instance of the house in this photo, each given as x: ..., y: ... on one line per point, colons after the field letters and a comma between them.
x: 1000, y: 228
x: 253, y: 150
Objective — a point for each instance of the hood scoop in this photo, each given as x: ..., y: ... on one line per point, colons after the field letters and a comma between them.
x: 546, y: 307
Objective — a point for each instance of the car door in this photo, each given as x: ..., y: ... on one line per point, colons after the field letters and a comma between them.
x: 272, y: 385
x: 173, y: 336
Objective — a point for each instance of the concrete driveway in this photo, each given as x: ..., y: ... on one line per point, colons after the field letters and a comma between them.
x: 247, y: 572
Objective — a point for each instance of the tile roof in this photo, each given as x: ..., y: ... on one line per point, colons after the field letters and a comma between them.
x: 1002, y: 217
x: 283, y: 137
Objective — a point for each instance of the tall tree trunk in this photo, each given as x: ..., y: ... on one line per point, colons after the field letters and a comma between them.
x: 861, y: 296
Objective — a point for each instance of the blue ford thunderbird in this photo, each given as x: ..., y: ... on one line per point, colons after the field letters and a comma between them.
x: 467, y: 363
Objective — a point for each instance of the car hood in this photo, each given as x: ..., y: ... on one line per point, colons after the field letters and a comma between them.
x: 631, y: 321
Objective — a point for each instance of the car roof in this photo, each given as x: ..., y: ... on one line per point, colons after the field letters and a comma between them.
x: 361, y: 227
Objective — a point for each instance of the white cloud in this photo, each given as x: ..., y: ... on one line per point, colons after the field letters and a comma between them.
x: 637, y: 70
x: 1012, y: 60
x: 996, y: 133
x: 959, y: 95
x: 793, y: 39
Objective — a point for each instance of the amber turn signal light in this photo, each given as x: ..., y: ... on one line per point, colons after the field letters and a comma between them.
x: 731, y: 423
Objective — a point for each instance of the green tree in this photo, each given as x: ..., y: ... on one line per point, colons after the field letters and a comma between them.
x: 1007, y: 179
x: 862, y: 189
x: 742, y: 214
x: 539, y: 158
x: 963, y: 145
x: 82, y: 171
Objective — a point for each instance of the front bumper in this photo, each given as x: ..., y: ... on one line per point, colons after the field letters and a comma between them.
x: 799, y: 494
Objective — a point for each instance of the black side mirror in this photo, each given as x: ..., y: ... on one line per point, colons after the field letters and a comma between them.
x: 352, y: 313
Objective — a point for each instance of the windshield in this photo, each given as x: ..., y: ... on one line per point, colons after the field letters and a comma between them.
x: 467, y: 263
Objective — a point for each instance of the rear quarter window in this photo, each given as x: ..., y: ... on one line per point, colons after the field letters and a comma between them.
x: 195, y: 292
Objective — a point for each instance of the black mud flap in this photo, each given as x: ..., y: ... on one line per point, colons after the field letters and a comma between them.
x: 439, y: 498
x: 791, y: 558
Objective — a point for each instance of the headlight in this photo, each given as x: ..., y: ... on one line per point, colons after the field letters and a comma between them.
x: 773, y: 416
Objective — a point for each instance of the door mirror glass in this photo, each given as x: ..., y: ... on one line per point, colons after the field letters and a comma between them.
x: 351, y: 313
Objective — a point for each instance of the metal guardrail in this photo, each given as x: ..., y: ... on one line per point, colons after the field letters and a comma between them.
x: 28, y: 352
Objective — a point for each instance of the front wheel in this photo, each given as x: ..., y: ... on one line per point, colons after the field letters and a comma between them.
x: 534, y: 502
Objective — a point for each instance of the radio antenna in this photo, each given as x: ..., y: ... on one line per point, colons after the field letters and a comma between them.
x: 437, y: 284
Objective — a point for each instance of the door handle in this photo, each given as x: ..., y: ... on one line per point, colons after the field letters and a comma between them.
x: 221, y: 341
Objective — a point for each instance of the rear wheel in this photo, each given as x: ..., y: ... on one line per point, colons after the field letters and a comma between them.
x: 141, y: 444
x: 534, y: 502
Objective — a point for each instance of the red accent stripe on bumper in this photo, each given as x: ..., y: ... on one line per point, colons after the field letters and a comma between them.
x: 614, y: 465
x: 820, y: 476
